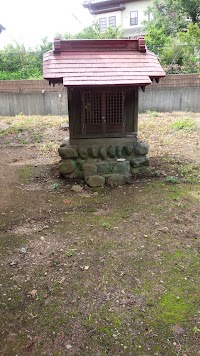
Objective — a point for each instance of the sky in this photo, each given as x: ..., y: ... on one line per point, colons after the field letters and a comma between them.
x: 29, y: 21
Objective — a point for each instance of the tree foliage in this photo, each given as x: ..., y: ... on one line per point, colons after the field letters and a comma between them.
x: 17, y: 62
x: 173, y: 33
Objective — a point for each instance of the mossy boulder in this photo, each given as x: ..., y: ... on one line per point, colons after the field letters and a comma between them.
x: 66, y: 167
x: 111, y: 151
x: 121, y: 167
x: 67, y: 152
x: 95, y: 181
x: 141, y: 148
x: 89, y: 169
x: 119, y: 150
x: 117, y: 179
x: 103, y: 153
x: 83, y: 153
x: 128, y: 149
x: 103, y: 168
x: 139, y: 161
x: 93, y: 151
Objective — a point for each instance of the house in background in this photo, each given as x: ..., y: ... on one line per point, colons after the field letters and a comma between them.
x: 2, y: 28
x: 128, y: 14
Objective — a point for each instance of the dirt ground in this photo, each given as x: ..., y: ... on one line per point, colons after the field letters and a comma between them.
x: 108, y: 271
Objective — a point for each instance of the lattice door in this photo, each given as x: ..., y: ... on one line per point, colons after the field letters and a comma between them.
x: 114, y: 111
x: 102, y: 111
x: 92, y: 111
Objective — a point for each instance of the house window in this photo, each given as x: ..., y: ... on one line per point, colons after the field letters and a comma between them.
x: 102, y: 111
x: 112, y: 21
x: 133, y: 18
x: 103, y: 24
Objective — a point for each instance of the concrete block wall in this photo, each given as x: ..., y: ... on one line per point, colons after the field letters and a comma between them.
x: 32, y: 97
x: 178, y: 92
x: 36, y: 97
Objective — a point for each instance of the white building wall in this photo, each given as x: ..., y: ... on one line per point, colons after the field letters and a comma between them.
x: 118, y: 15
x: 123, y: 17
x: 139, y: 6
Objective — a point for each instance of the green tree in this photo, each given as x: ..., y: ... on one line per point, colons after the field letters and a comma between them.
x: 17, y: 62
x: 189, y: 9
x: 93, y: 32
x: 173, y: 34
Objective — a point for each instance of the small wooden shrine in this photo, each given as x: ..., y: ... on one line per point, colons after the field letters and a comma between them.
x: 103, y: 78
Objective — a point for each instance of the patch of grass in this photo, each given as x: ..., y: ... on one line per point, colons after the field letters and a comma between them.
x: 70, y: 252
x: 106, y: 225
x: 56, y: 186
x: 22, y: 140
x: 26, y: 173
x: 36, y: 137
x: 184, y: 124
x: 21, y: 123
x: 172, y: 179
x: 152, y: 113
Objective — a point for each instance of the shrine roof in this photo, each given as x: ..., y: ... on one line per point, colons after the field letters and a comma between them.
x: 101, y: 62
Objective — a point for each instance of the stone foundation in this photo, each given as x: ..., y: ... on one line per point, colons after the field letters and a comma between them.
x: 103, y: 161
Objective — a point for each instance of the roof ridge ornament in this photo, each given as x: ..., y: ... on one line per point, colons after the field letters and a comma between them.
x: 57, y: 45
x: 141, y: 45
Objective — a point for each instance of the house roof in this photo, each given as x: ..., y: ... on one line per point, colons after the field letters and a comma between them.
x: 2, y: 28
x: 101, y: 63
x: 101, y: 6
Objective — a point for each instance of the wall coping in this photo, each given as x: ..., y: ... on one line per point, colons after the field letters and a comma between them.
x: 30, y: 86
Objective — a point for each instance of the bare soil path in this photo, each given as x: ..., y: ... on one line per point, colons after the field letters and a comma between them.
x: 111, y: 271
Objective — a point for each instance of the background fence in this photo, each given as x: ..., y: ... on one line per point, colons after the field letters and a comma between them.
x: 35, y: 97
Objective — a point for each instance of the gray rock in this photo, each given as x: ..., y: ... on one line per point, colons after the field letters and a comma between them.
x: 103, y: 152
x: 141, y: 148
x: 140, y: 161
x: 128, y: 149
x: 93, y: 151
x: 122, y: 167
x: 77, y: 188
x: 95, y: 181
x: 66, y: 167
x: 89, y: 169
x: 80, y: 162
x: 23, y: 250
x: 117, y: 179
x: 67, y: 152
x: 83, y: 153
x: 64, y: 126
x: 76, y: 174
x: 103, y: 168
x: 111, y: 151
x: 66, y: 142
x: 145, y: 170
x: 142, y: 170
x: 119, y: 150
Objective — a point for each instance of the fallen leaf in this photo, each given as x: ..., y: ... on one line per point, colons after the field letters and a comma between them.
x: 86, y: 268
x: 67, y: 201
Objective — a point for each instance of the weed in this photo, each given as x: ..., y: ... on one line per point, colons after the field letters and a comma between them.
x: 56, y: 186
x: 106, y: 225
x: 196, y: 330
x: 36, y: 137
x: 172, y: 179
x: 155, y: 173
x: 184, y: 124
x: 152, y: 113
x: 22, y: 140
x: 70, y: 252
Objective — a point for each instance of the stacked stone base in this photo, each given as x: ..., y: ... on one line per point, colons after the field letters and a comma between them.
x: 103, y: 161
